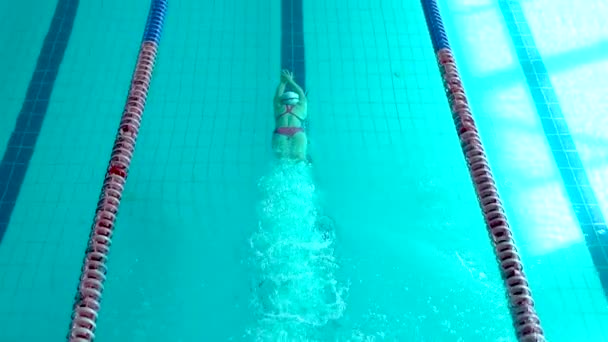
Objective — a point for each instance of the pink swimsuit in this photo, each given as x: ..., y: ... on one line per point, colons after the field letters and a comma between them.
x: 288, y: 131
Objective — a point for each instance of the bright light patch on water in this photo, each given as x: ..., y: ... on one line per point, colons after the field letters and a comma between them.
x: 565, y: 26
x: 476, y: 21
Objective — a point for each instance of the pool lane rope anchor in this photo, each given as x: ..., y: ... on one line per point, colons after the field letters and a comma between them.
x: 93, y: 274
x: 525, y: 320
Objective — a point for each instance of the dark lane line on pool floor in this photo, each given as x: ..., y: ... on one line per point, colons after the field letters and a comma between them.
x: 292, y: 45
x: 292, y: 40
x: 20, y: 148
x: 579, y: 190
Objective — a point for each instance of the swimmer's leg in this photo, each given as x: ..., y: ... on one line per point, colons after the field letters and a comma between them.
x: 299, y: 146
x: 309, y: 159
x: 280, y: 145
x: 326, y: 226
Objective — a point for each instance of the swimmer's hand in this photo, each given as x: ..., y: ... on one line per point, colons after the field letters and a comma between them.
x: 286, y: 76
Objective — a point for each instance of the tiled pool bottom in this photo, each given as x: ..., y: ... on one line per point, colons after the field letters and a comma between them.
x: 381, y: 137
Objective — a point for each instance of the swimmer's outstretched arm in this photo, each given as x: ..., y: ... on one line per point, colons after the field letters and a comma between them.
x: 287, y: 76
x: 280, y: 91
x: 298, y: 90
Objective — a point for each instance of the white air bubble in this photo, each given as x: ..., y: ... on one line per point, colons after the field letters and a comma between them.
x: 295, y: 291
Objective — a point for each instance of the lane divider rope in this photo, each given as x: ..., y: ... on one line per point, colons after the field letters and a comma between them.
x: 525, y: 320
x: 88, y: 298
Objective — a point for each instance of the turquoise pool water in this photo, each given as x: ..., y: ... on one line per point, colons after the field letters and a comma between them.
x: 380, y: 240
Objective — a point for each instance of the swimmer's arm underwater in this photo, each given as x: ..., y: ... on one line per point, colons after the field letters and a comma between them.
x: 280, y: 91
x: 298, y: 90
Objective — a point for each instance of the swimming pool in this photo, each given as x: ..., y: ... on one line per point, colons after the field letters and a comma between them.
x: 402, y: 253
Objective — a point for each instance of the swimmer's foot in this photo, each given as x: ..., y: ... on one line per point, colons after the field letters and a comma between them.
x: 326, y: 226
x: 309, y: 158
